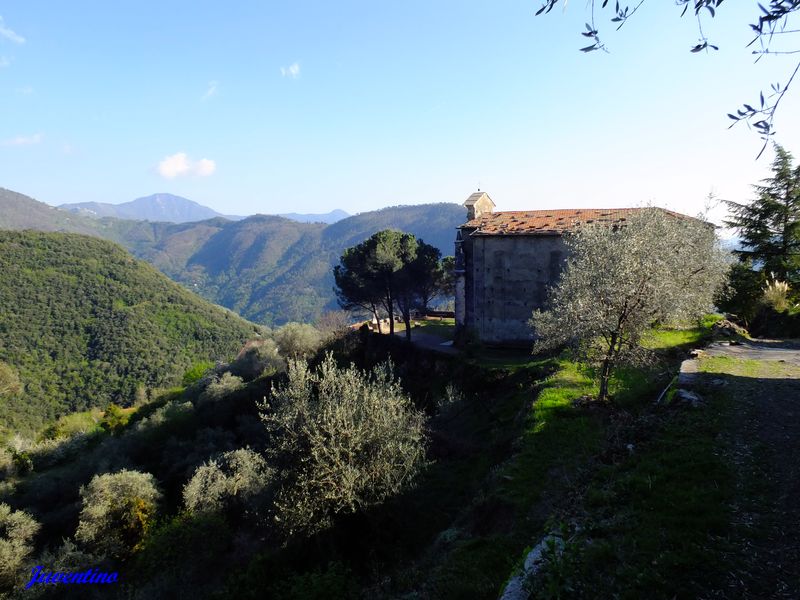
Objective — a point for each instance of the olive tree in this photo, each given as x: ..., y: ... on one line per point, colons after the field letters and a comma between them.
x: 234, y: 480
x: 257, y: 357
x: 657, y: 267
x: 118, y: 509
x: 341, y: 440
x: 17, y: 530
x: 298, y: 340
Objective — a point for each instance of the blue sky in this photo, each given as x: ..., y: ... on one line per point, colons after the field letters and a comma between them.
x: 309, y: 106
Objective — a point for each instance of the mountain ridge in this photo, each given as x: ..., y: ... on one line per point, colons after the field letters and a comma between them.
x: 169, y: 208
x: 267, y: 268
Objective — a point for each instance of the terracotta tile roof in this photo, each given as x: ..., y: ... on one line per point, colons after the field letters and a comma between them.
x: 545, y: 222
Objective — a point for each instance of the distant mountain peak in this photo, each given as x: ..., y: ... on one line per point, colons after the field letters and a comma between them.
x: 156, y: 207
x: 170, y: 208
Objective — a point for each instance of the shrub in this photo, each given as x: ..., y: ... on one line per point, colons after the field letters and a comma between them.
x: 17, y: 529
x: 118, y: 509
x: 67, y: 558
x: 743, y: 293
x: 235, y: 479
x: 776, y: 294
x: 342, y: 440
x: 298, y: 340
x: 196, y: 372
x: 114, y: 419
x: 7, y: 466
x: 219, y: 387
x: 333, y: 324
x: 180, y: 552
x: 50, y: 452
x: 335, y: 581
x: 258, y: 357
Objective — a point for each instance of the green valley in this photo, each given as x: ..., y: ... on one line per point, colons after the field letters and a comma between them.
x: 84, y: 324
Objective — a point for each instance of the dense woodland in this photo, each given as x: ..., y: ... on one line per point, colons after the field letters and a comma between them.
x: 84, y: 324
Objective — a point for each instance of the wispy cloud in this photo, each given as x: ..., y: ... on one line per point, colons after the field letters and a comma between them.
x: 213, y: 88
x: 23, y: 140
x: 10, y: 34
x: 293, y: 71
x: 179, y: 165
x: 25, y: 90
x: 4, y: 62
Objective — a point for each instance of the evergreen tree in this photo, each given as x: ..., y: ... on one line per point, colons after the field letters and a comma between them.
x: 370, y: 274
x: 770, y: 225
x: 391, y: 270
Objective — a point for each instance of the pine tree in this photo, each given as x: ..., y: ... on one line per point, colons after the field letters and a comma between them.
x: 770, y: 225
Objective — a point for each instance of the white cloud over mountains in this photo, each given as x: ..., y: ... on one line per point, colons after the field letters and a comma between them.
x: 9, y: 34
x: 179, y: 165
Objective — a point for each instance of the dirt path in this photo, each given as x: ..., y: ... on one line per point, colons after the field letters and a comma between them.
x: 429, y: 341
x: 762, y: 442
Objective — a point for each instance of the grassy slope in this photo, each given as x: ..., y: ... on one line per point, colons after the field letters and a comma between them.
x: 653, y: 515
x: 532, y: 471
x: 84, y: 324
x: 514, y: 455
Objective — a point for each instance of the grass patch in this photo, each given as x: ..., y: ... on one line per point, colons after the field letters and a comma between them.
x: 661, y: 339
x: 762, y: 369
x: 653, y: 516
x: 558, y: 434
x: 683, y: 337
x: 443, y: 328
x: 87, y: 421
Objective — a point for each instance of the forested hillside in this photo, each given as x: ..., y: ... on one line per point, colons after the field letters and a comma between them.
x: 83, y: 324
x: 267, y: 268
x: 18, y: 211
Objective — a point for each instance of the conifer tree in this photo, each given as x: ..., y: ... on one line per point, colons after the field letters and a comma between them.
x: 770, y: 225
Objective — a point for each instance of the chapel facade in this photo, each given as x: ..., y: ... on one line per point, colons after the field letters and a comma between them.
x: 506, y: 261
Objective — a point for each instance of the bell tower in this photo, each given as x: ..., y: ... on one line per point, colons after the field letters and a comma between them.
x: 478, y: 204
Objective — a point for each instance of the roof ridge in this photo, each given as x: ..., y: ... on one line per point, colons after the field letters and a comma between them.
x: 547, y: 221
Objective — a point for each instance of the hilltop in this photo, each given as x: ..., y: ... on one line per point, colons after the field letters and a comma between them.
x: 84, y: 323
x: 18, y: 211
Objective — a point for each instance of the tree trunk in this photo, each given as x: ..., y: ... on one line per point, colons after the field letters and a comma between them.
x: 390, y: 310
x: 407, y: 320
x: 377, y: 318
x: 605, y: 369
x: 605, y: 372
